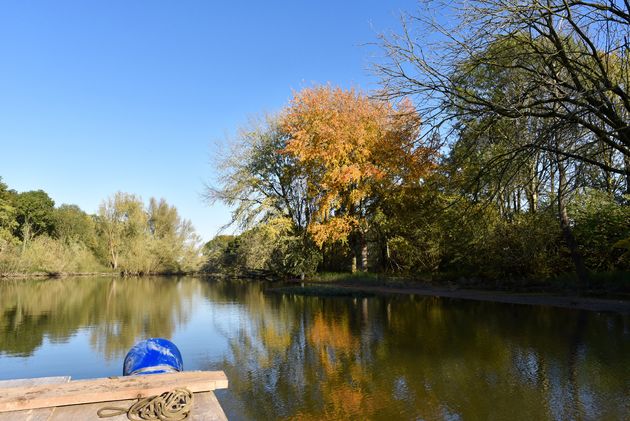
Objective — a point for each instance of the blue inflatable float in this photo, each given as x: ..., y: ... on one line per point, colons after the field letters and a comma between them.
x: 153, y: 356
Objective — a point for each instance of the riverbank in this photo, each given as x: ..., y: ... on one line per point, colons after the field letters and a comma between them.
x: 362, y: 285
x: 52, y: 275
x: 366, y: 285
x: 27, y: 275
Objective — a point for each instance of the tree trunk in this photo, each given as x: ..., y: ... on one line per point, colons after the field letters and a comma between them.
x: 26, y: 234
x: 385, y: 263
x: 552, y: 178
x: 567, y: 232
x: 532, y: 201
x: 531, y: 188
x: 359, y: 253
x: 364, y: 254
x: 114, y: 256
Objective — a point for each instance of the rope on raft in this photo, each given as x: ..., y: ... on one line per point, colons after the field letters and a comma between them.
x: 174, y: 405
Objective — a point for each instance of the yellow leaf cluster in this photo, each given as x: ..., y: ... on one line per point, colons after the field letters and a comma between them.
x: 333, y: 229
x: 351, y: 147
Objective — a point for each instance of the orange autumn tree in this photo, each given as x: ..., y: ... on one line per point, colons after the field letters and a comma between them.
x: 353, y: 150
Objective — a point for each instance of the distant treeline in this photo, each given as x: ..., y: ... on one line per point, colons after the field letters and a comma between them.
x: 502, y: 153
x: 124, y: 236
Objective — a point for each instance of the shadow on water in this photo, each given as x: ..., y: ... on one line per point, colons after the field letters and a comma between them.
x: 309, y: 357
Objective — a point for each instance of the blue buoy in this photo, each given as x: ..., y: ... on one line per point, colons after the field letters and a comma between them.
x: 153, y: 356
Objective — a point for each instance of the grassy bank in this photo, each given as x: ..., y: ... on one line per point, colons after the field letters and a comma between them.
x: 601, y: 283
x: 606, y: 285
x: 28, y: 275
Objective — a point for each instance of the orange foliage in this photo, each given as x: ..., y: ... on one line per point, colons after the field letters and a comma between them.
x: 352, y: 149
x: 333, y: 333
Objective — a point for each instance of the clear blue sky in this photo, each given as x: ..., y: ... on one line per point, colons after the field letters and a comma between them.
x: 105, y: 96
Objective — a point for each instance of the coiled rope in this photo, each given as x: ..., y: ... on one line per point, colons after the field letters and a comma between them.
x: 174, y: 405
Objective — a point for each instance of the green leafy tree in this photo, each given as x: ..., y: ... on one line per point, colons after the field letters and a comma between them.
x: 173, y: 241
x: 259, y: 181
x: 8, y: 214
x: 275, y: 247
x: 600, y: 223
x: 121, y: 224
x: 220, y: 253
x: 266, y: 187
x: 34, y: 214
x: 574, y: 52
x: 74, y: 225
x: 139, y: 240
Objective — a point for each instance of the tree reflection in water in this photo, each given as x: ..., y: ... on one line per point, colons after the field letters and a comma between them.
x: 314, y: 358
x: 117, y: 311
x: 422, y: 358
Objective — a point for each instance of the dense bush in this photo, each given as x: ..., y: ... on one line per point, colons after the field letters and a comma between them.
x: 270, y: 247
x: 600, y: 223
x: 528, y: 246
x: 48, y: 255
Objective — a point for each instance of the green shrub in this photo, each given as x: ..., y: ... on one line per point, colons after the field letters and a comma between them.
x: 528, y: 246
x: 601, y: 224
x: 48, y: 255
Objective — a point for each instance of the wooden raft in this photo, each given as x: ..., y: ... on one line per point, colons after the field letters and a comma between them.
x: 58, y: 398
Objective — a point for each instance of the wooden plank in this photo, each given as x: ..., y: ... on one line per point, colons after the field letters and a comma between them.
x: 87, y: 411
x: 37, y: 381
x: 108, y: 389
x: 41, y: 414
x: 206, y: 407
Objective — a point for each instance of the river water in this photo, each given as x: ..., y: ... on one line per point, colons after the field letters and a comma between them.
x: 314, y: 358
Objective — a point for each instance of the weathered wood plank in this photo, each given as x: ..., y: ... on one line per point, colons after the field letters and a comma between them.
x: 87, y: 411
x: 206, y: 407
x: 108, y: 389
x: 37, y: 381
x: 41, y: 414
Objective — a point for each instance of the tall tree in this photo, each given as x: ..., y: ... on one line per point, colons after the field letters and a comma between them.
x: 574, y: 52
x: 8, y: 221
x: 174, y: 243
x: 34, y: 214
x: 259, y: 181
x: 351, y: 149
x: 74, y: 225
x: 121, y: 220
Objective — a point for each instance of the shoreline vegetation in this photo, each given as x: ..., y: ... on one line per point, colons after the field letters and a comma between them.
x: 364, y: 285
x: 126, y: 236
x: 562, y: 295
x: 54, y: 275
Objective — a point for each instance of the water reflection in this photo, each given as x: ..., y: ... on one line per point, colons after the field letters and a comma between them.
x: 117, y: 311
x: 425, y: 358
x: 293, y: 357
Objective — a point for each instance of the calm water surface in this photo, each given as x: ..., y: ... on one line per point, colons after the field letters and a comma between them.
x: 291, y: 357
